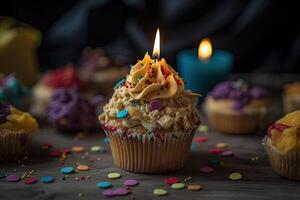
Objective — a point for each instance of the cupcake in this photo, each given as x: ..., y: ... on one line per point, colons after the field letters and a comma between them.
x: 65, y: 77
x: 70, y: 111
x: 283, y: 146
x: 150, y: 119
x: 291, y: 97
x: 16, y: 131
x: 100, y: 70
x: 237, y: 108
x: 13, y: 92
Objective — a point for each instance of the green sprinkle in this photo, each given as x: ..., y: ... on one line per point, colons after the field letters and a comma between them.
x: 139, y: 77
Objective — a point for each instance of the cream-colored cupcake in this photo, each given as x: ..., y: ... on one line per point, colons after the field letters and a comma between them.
x: 283, y: 146
x: 291, y: 97
x: 236, y: 108
x: 150, y: 120
x: 16, y: 131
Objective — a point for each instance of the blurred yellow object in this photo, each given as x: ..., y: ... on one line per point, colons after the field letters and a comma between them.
x: 18, y: 44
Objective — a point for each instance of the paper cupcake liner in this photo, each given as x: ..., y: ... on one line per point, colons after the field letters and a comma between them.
x: 244, y: 123
x: 285, y: 165
x: 143, y: 153
x: 13, y: 145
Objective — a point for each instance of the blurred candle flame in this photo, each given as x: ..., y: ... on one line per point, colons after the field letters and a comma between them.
x: 156, y: 48
x: 205, y: 49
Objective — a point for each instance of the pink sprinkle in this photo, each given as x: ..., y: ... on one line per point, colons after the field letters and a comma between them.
x: 216, y: 151
x: 171, y: 180
x: 207, y: 169
x: 227, y: 153
x: 30, y: 180
x: 200, y: 139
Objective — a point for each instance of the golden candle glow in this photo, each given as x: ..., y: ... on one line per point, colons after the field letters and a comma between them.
x: 205, y: 49
x: 156, y: 48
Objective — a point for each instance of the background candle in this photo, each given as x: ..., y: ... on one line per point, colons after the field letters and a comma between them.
x: 202, y: 75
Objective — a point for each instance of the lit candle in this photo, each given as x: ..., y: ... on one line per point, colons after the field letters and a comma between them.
x: 156, y: 47
x: 202, y: 72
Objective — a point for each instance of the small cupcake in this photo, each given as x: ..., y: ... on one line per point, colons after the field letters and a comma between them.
x: 65, y: 77
x: 234, y: 107
x: 283, y: 146
x: 150, y: 119
x: 16, y: 131
x: 13, y: 92
x: 291, y: 97
x: 101, y: 70
x: 70, y: 111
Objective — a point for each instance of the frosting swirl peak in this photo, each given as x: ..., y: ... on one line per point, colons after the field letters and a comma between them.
x: 153, y: 79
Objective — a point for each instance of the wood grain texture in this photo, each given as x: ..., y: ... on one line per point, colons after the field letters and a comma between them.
x: 259, y: 181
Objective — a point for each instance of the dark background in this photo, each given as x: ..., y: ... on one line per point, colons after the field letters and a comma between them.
x: 263, y: 35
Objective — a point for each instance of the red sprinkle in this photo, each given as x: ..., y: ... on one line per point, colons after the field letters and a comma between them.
x: 47, y: 146
x: 216, y: 151
x: 30, y: 180
x: 171, y: 180
x: 278, y: 126
x: 55, y: 153
x: 67, y: 151
x: 200, y: 139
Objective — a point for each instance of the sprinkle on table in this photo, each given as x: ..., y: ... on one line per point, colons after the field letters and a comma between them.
x: 103, y: 184
x: 214, y: 162
x: 221, y: 145
x: 195, y: 187
x: 171, y: 180
x: 206, y: 169
x: 83, y: 168
x: 113, y: 175
x: 13, y: 178
x: 67, y: 170
x: 178, y: 186
x: 203, y: 128
x: 235, y: 176
x: 216, y: 151
x: 97, y: 148
x: 227, y: 154
x: 108, y: 193
x: 131, y: 182
x: 30, y: 180
x: 47, y: 179
x: 77, y: 149
x: 121, y: 191
x: 122, y: 113
x: 200, y: 139
x: 160, y: 192
x: 55, y: 154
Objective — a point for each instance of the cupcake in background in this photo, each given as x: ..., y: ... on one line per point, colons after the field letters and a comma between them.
x: 291, y: 97
x: 283, y: 145
x: 150, y: 119
x: 70, y: 111
x: 237, y: 108
x: 64, y: 77
x: 16, y: 131
x: 13, y: 92
x: 100, y: 70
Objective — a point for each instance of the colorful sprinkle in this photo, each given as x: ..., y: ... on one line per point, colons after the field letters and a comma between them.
x: 221, y: 145
x: 83, y: 168
x: 97, y: 148
x: 103, y: 184
x: 207, y: 169
x: 195, y: 187
x: 216, y: 151
x: 214, y: 162
x: 119, y: 83
x: 78, y: 149
x: 13, y: 178
x: 160, y: 192
x: 121, y: 191
x: 131, y: 182
x: 178, y: 186
x: 55, y: 154
x: 200, y: 139
x: 203, y: 128
x: 47, y: 179
x: 106, y: 140
x: 122, y: 113
x: 67, y: 170
x: 171, y: 180
x: 227, y: 154
x: 235, y: 176
x: 47, y: 146
x: 139, y: 77
x: 155, y: 105
x: 113, y: 175
x: 30, y: 180
x: 108, y: 193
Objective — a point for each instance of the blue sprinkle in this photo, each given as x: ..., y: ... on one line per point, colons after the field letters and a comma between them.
x: 47, y: 179
x: 103, y: 184
x: 67, y: 170
x: 193, y: 147
x: 119, y: 83
x: 122, y: 113
x: 106, y: 140
x: 214, y: 162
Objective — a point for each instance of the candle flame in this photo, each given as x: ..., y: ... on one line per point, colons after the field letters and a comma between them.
x: 156, y: 48
x: 205, y: 49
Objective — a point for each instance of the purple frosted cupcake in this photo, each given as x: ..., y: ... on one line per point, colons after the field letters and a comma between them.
x: 235, y: 107
x: 70, y: 111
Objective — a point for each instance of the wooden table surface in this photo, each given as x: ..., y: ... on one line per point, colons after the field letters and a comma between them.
x: 259, y: 181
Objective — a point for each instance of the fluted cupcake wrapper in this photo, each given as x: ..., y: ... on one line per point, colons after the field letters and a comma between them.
x: 142, y: 153
x: 285, y: 165
x: 13, y: 145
